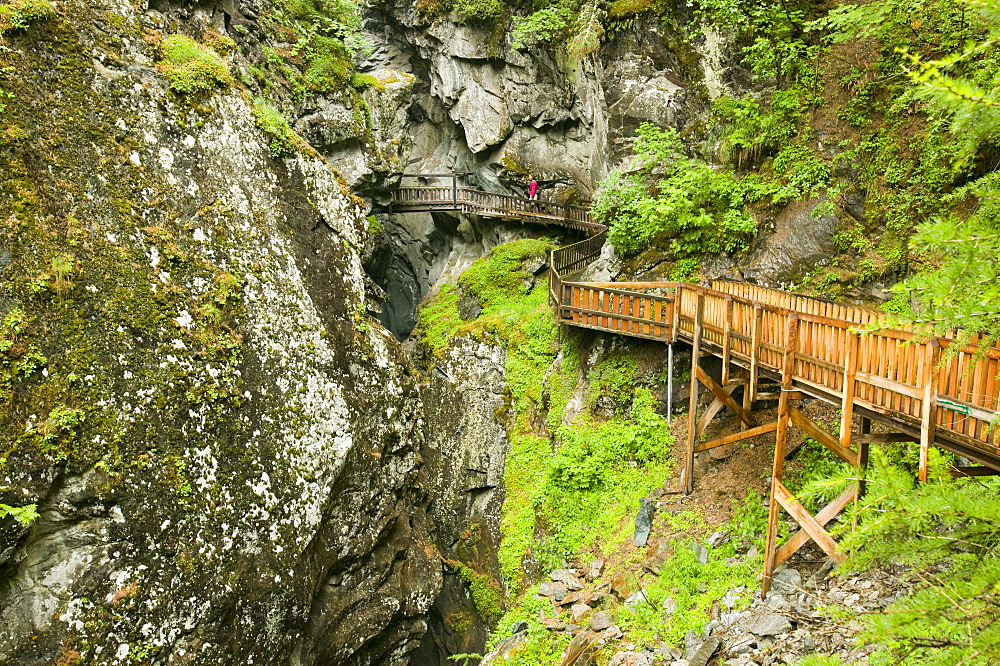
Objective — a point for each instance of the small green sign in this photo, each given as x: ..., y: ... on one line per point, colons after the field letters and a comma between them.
x: 954, y: 406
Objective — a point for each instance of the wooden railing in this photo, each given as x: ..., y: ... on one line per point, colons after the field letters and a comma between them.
x: 458, y: 197
x: 893, y: 376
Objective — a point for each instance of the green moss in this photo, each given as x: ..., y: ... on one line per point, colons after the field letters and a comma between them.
x: 329, y: 66
x: 485, y: 591
x: 281, y: 138
x: 364, y: 81
x: 192, y: 67
x: 19, y: 14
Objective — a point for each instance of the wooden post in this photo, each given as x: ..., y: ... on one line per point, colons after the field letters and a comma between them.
x: 780, y: 440
x: 758, y: 316
x: 727, y: 340
x: 676, y: 323
x: 693, y: 407
x: 866, y: 428
x: 928, y: 408
x: 670, y: 382
x: 847, y: 404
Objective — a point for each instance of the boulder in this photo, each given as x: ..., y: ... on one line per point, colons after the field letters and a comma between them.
x: 600, y: 621
x: 643, y: 522
x: 552, y: 589
x: 802, y: 239
x: 567, y: 577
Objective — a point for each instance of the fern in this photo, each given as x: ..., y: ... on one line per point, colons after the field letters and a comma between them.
x: 23, y: 514
x: 589, y: 30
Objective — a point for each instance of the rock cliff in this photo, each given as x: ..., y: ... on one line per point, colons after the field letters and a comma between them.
x: 223, y: 450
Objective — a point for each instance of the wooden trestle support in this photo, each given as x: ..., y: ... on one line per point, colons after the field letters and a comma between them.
x: 849, y: 446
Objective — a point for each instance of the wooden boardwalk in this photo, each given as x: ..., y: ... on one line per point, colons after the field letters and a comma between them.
x: 920, y: 387
x: 807, y: 348
x: 448, y: 192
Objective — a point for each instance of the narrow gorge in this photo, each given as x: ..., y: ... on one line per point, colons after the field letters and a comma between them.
x: 254, y: 413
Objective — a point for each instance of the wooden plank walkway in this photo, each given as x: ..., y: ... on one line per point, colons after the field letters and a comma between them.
x: 453, y: 195
x: 892, y: 377
x: 921, y: 387
x: 810, y: 348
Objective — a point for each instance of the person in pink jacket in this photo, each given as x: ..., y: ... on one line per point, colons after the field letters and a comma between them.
x: 532, y: 188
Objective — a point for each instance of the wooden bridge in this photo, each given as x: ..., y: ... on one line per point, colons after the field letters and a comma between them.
x: 808, y: 348
x: 450, y: 192
x: 804, y: 347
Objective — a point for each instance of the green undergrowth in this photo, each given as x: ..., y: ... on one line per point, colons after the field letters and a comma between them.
x: 19, y: 14
x: 569, y: 487
x: 694, y: 587
x: 596, y: 477
x: 676, y: 600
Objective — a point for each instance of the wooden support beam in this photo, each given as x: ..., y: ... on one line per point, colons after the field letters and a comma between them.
x: 792, y: 395
x: 725, y: 396
x: 928, y: 408
x: 884, y: 438
x: 823, y: 437
x: 693, y: 405
x: 780, y: 440
x: 736, y: 437
x: 828, y: 513
x: 808, y: 523
x: 973, y: 471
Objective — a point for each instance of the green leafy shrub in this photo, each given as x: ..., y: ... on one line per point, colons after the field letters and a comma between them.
x: 673, y: 201
x: 756, y: 128
x: 281, y: 138
x: 544, y: 25
x: 19, y: 14
x: 947, y: 529
x: 481, y: 10
x: 192, y: 67
x: 25, y: 515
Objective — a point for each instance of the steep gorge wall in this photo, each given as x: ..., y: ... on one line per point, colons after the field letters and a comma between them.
x: 223, y: 451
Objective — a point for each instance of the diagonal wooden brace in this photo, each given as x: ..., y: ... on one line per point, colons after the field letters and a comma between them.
x: 729, y: 439
x: 724, y: 394
x: 807, y: 522
x: 823, y: 437
x: 825, y: 515
x: 712, y: 410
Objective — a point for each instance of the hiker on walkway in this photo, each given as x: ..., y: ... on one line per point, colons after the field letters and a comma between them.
x: 532, y: 188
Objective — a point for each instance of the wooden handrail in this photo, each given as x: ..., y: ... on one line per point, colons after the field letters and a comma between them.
x: 490, y: 204
x: 746, y: 325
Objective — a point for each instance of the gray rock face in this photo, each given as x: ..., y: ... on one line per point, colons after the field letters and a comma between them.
x: 464, y: 462
x: 241, y: 483
x: 802, y: 239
